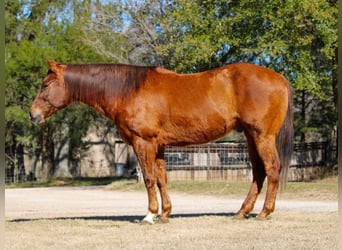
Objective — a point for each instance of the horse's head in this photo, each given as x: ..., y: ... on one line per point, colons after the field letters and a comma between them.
x: 52, y: 95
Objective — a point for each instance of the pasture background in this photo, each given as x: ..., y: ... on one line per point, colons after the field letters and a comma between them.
x: 96, y: 229
x: 186, y: 37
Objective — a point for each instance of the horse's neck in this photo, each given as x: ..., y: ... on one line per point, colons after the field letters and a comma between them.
x: 104, y: 87
x: 88, y: 90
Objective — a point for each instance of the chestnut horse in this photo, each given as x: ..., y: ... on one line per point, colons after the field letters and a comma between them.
x: 153, y: 107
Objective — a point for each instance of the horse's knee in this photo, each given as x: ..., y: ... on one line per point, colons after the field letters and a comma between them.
x: 150, y: 181
x: 161, y: 181
x: 273, y: 176
x: 273, y: 173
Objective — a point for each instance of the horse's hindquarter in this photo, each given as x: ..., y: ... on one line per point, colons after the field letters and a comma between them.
x: 262, y: 97
x: 197, y: 108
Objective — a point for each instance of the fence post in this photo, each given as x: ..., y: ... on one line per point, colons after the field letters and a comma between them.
x: 208, y: 162
x: 325, y: 152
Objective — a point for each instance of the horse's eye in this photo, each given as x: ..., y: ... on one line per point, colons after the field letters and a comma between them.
x: 44, y: 86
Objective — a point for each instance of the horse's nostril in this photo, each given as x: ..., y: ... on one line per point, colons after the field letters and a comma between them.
x: 36, y: 118
x: 32, y: 116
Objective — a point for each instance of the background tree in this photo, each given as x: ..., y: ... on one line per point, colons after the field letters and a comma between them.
x: 35, y: 32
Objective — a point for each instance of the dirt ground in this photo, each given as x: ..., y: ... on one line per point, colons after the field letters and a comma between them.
x: 94, y: 218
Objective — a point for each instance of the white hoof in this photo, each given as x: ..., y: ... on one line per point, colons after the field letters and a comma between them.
x: 150, y: 218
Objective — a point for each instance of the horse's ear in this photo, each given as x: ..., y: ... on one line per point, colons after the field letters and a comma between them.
x: 55, y: 67
x: 52, y: 64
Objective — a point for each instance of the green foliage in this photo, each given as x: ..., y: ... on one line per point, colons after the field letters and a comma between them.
x: 32, y: 38
x: 293, y: 37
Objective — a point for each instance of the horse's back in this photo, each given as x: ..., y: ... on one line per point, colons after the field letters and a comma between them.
x: 241, y: 88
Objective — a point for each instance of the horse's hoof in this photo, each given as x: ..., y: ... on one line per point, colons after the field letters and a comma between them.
x: 145, y: 222
x: 262, y: 218
x: 162, y: 220
x: 142, y: 222
x: 240, y: 217
x: 150, y: 219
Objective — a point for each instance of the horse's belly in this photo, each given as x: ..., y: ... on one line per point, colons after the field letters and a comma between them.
x: 190, y: 131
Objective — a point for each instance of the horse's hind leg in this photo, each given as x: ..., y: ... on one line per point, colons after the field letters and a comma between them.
x: 269, y: 154
x: 259, y: 175
x: 162, y: 185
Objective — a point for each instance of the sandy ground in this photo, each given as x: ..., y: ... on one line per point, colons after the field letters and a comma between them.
x: 94, y: 218
x: 57, y: 202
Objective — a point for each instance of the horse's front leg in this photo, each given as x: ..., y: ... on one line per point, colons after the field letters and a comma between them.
x: 162, y: 185
x: 146, y: 152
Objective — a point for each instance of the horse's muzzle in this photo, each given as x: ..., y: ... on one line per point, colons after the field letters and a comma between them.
x: 36, y: 117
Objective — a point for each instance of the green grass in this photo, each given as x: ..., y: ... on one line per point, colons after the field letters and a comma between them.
x: 329, y: 183
x: 325, y: 187
x: 210, y: 187
x: 192, y: 187
x: 70, y: 182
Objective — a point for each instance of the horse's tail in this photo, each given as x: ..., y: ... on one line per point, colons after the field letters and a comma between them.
x: 285, y: 139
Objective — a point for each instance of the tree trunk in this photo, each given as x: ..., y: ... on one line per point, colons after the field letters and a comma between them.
x: 20, y: 162
x: 48, y: 166
x: 303, y: 116
x: 335, y: 91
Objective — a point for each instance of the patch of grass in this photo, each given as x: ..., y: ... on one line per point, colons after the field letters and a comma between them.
x: 325, y: 189
x: 125, y: 185
x: 210, y: 187
x: 70, y: 182
x: 191, y: 187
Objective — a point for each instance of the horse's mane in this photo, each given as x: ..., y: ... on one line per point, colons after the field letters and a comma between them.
x: 94, y: 80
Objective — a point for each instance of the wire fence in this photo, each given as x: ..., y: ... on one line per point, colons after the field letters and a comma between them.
x: 213, y: 155
x: 222, y: 161
x: 216, y: 161
x: 208, y: 162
